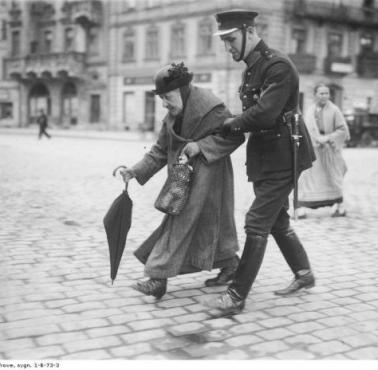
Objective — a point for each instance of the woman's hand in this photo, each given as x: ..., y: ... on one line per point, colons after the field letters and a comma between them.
x: 127, y: 174
x: 190, y: 150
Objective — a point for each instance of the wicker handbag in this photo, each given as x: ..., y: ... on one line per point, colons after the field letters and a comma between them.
x: 175, y: 192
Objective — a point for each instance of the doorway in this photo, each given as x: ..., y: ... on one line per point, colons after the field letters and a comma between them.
x: 39, y: 98
x: 69, y: 103
x: 128, y: 110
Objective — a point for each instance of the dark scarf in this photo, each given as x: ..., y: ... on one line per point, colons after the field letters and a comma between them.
x: 184, y: 92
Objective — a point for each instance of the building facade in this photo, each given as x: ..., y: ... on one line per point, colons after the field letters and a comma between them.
x: 54, y: 61
x: 91, y: 63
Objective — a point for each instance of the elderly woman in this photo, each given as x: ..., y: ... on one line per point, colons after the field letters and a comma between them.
x: 203, y: 235
x: 322, y: 185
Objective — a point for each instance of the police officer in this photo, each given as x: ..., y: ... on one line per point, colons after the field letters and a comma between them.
x: 269, y: 95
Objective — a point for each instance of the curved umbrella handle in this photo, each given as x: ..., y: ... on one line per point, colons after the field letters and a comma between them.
x: 115, y: 173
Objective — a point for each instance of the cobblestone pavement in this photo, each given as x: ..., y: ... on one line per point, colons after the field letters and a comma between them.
x: 57, y: 301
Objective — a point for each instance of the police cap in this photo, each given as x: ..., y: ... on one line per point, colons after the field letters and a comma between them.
x: 232, y: 20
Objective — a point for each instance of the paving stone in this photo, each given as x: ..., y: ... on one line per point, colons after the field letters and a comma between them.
x: 80, y: 307
x: 273, y: 334
x: 35, y: 353
x: 200, y: 317
x: 367, y: 353
x: 176, y: 302
x: 60, y: 303
x: 30, y: 331
x: 218, y: 323
x: 59, y: 338
x: 83, y: 324
x: 146, y: 335
x: 328, y: 348
x: 203, y: 350
x: 107, y: 330
x: 88, y: 344
x: 305, y: 327
x: 302, y: 340
x: 169, y: 343
x: 131, y: 350
x: 234, y: 355
x: 188, y: 328
x: 360, y: 340
x: 266, y: 348
x: 16, y: 344
x: 295, y: 355
x: 126, y: 318
x: 28, y: 314
x: 243, y: 340
x: 275, y: 322
x: 333, y: 321
x: 88, y: 355
x: 149, y: 324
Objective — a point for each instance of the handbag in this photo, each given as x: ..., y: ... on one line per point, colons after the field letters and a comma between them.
x: 175, y: 192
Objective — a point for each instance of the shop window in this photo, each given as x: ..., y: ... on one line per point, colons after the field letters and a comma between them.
x: 6, y: 110
x: 129, y: 45
x: 335, y: 44
x: 299, y: 39
x: 205, y: 37
x: 33, y: 47
x: 366, y: 43
x: 152, y: 43
x: 15, y: 43
x: 178, y: 40
x: 149, y: 111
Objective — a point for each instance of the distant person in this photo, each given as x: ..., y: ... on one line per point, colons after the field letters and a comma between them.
x: 203, y: 236
x: 43, y: 123
x: 322, y: 185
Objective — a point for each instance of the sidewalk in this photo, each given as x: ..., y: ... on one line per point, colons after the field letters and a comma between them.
x: 82, y: 133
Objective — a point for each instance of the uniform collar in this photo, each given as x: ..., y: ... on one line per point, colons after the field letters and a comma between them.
x: 260, y: 50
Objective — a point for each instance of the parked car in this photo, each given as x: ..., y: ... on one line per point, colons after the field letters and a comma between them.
x: 363, y: 127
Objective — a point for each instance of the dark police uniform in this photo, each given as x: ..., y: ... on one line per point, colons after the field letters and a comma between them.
x: 269, y: 94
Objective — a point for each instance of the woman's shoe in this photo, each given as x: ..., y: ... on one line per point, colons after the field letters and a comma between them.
x: 154, y: 287
x: 226, y: 274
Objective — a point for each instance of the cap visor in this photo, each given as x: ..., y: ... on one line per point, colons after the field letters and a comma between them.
x: 225, y: 32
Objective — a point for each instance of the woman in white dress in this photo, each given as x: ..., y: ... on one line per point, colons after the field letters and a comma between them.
x: 322, y: 184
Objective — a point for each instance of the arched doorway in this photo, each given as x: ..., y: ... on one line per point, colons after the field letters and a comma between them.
x: 39, y: 98
x: 69, y: 103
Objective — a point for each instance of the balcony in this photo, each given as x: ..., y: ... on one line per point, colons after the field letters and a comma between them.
x: 367, y: 65
x: 335, y: 13
x: 53, y: 65
x: 86, y: 13
x: 338, y: 65
x: 305, y: 63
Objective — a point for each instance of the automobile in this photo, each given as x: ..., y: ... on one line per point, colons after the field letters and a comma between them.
x: 363, y: 127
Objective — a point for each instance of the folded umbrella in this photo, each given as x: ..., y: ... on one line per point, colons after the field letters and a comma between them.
x: 117, y: 222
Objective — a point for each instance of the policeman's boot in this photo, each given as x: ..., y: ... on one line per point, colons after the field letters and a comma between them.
x: 154, y: 287
x: 233, y: 300
x: 225, y: 275
x: 296, y: 257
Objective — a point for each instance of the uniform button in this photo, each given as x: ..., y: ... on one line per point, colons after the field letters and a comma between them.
x: 244, y: 107
x: 244, y: 96
x: 249, y: 73
x: 246, y: 85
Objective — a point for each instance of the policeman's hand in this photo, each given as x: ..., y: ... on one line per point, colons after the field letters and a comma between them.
x: 191, y: 150
x: 127, y: 174
x: 225, y: 127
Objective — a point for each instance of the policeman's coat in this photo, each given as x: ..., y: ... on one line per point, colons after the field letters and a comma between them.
x: 204, y: 233
x: 270, y: 88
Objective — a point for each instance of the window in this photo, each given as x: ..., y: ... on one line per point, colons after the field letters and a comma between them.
x: 95, y: 109
x: 93, y: 41
x: 6, y: 110
x: 178, y: 40
x: 68, y: 39
x: 335, y: 44
x: 299, y: 39
x: 3, y: 30
x: 48, y: 41
x: 33, y: 47
x: 129, y: 45
x: 205, y: 39
x: 152, y: 43
x: 15, y: 43
x: 366, y: 42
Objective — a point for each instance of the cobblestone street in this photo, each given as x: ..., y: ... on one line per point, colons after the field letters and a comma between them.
x: 56, y: 296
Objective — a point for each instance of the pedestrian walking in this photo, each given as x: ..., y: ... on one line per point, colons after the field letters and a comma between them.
x: 269, y: 96
x: 322, y: 185
x: 42, y: 121
x: 203, y: 235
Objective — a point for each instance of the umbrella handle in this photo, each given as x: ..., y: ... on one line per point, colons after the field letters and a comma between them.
x: 115, y: 173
